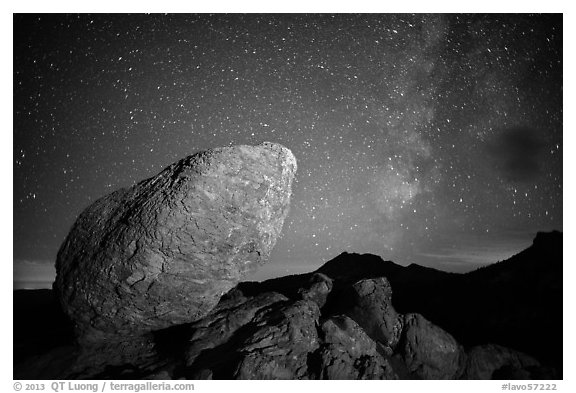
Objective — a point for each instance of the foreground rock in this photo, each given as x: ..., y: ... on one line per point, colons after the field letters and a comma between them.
x: 269, y: 335
x: 371, y: 306
x: 320, y: 325
x: 219, y: 329
x: 163, y: 252
x: 280, y: 344
x: 428, y: 351
x: 266, y: 337
x: 317, y: 289
x: 348, y: 353
x: 497, y: 362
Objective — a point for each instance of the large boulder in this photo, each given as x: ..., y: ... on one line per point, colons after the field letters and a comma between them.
x: 163, y: 251
x: 219, y: 328
x: 428, y: 351
x: 348, y: 353
x: 279, y: 343
x: 369, y: 303
x: 493, y: 361
x: 317, y: 289
x: 263, y: 337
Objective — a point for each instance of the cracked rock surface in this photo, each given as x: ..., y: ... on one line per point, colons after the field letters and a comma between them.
x: 429, y: 352
x: 348, y: 352
x: 369, y: 303
x: 162, y: 252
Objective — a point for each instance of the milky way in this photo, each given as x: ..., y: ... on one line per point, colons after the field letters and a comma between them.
x: 430, y: 139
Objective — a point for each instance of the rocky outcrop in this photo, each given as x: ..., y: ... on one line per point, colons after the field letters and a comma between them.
x: 428, y: 351
x: 269, y: 335
x: 219, y: 327
x: 348, y: 353
x: 317, y: 289
x: 280, y: 344
x: 265, y: 337
x: 497, y: 362
x: 308, y: 326
x: 369, y: 303
x: 163, y: 252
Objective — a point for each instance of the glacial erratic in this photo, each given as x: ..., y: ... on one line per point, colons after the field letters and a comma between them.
x: 163, y: 251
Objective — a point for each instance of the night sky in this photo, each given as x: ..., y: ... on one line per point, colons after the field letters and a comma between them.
x: 429, y: 139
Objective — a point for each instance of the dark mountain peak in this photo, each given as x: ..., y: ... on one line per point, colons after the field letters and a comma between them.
x: 352, y: 266
x: 415, y: 267
x: 544, y: 255
x: 547, y: 239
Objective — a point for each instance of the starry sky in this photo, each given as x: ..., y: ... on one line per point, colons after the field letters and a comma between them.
x: 429, y: 139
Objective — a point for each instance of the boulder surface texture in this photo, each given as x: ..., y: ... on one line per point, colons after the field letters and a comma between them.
x: 163, y: 251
